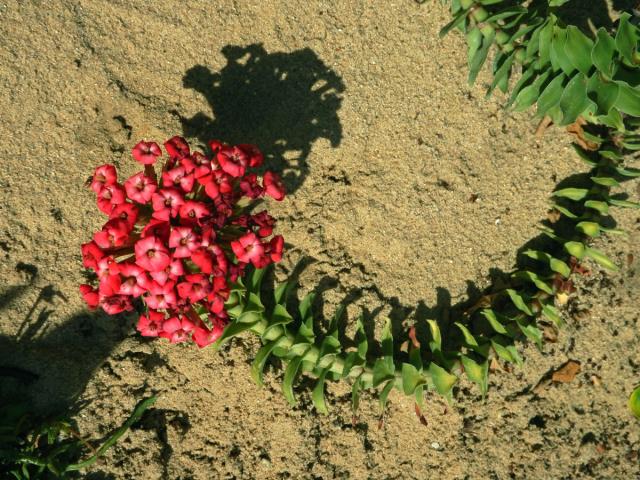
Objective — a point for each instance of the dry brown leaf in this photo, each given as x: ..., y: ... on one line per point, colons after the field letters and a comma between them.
x: 578, y: 135
x: 567, y: 372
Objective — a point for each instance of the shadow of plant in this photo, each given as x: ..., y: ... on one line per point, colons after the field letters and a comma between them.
x: 591, y: 15
x: 282, y: 102
x: 50, y: 366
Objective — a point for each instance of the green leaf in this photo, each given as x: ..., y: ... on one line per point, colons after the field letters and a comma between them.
x: 317, y: 396
x: 382, y: 371
x: 519, y: 302
x: 603, y: 93
x: 506, y: 352
x: 480, y: 56
x: 597, y: 205
x: 281, y: 292
x: 602, y: 53
x: 551, y: 95
x: 575, y: 249
x: 530, y: 94
x: 411, y: 378
x: 456, y: 22
x: 634, y: 402
x: 502, y: 74
x: 560, y: 267
x: 305, y: 307
x: 490, y: 315
x: 605, y: 181
x: 574, y: 99
x: 436, y: 342
x: 290, y: 374
x: 279, y: 316
x: 139, y: 409
x: 468, y: 338
x: 559, y: 59
x: 385, y: 394
x: 565, y: 211
x: 552, y: 314
x: 628, y: 100
x: 592, y: 229
x: 535, y: 279
x: 601, y: 258
x: 574, y: 194
x: 627, y: 39
x: 442, y: 380
x: 544, y: 44
x: 387, y: 341
x: 477, y: 373
x: 255, y: 280
x: 532, y: 332
x: 623, y: 203
x: 578, y: 49
x: 257, y: 366
x: 230, y: 331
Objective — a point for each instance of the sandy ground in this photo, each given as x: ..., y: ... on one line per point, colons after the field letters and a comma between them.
x: 407, y: 188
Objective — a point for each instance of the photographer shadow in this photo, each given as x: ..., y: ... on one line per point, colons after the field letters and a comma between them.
x: 281, y: 102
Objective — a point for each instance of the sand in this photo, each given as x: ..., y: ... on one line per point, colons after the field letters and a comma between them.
x: 407, y: 189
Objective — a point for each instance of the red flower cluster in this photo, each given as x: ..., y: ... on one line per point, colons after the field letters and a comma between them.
x: 176, y: 241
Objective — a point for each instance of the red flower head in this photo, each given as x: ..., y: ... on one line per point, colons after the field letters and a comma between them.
x: 166, y: 203
x: 151, y: 254
x: 273, y: 186
x: 177, y: 147
x: 202, y: 336
x: 254, y: 154
x: 178, y: 177
x: 103, y: 176
x: 191, y: 212
x: 146, y: 152
x: 248, y: 248
x: 150, y: 325
x: 184, y: 240
x: 127, y: 212
x: 91, y: 254
x: 115, y: 233
x: 110, y: 196
x: 177, y: 330
x: 90, y: 295
x: 161, y: 296
x: 140, y: 188
x: 166, y: 241
x: 233, y: 161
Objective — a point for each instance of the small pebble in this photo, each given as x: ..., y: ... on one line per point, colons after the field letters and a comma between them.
x: 498, y: 221
x: 435, y: 446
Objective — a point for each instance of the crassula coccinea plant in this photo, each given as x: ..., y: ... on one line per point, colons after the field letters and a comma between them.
x: 178, y: 235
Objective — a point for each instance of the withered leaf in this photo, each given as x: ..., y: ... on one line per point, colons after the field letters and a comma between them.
x: 567, y: 372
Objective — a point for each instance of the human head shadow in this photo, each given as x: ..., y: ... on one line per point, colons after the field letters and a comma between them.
x: 280, y: 101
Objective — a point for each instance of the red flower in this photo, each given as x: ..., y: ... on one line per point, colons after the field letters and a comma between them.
x: 90, y: 296
x: 177, y: 330
x: 192, y: 211
x: 134, y: 280
x: 233, y: 161
x: 174, y: 270
x: 151, y: 325
x: 195, y: 288
x: 210, y: 260
x: 184, y: 240
x: 127, y: 212
x: 177, y: 147
x: 275, y: 248
x: 250, y: 186
x: 116, y: 304
x: 91, y: 254
x: 140, y: 188
x: 146, y: 152
x: 151, y: 254
x: 273, y: 186
x: 103, y: 176
x: 265, y: 222
x: 197, y: 164
x: 248, y: 248
x: 109, y: 196
x: 160, y: 297
x: 157, y: 228
x: 115, y: 233
x: 202, y: 336
x: 254, y: 154
x: 177, y: 177
x: 166, y: 203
